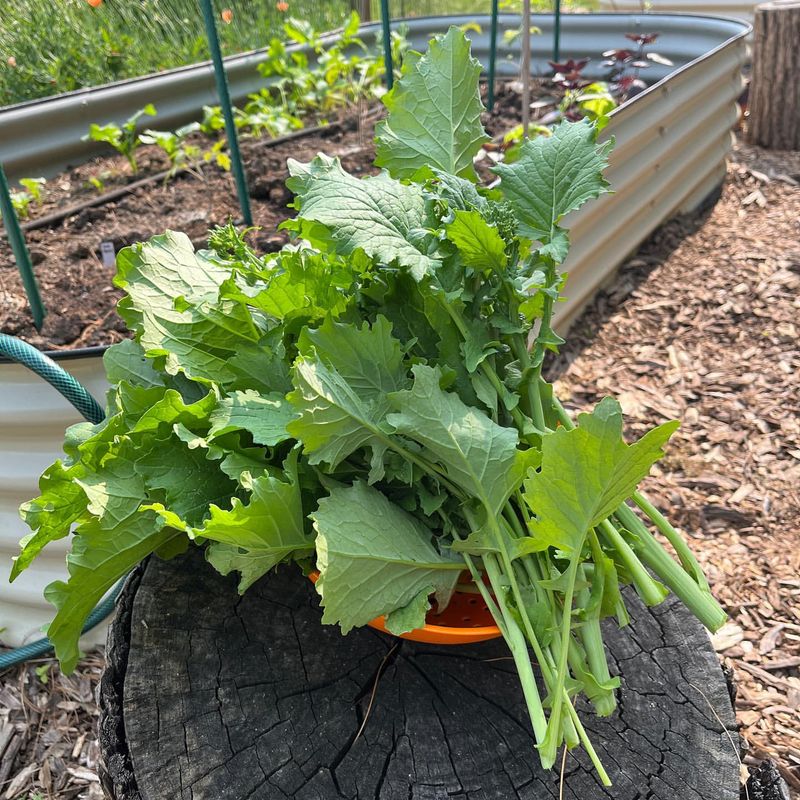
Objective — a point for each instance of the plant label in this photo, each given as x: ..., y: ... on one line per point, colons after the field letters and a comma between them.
x: 108, y: 254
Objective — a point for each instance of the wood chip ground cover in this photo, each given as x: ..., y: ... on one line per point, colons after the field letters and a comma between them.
x: 702, y: 323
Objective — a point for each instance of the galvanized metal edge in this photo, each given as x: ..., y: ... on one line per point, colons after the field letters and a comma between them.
x: 41, y: 137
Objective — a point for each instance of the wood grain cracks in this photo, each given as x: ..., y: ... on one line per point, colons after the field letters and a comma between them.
x: 252, y: 698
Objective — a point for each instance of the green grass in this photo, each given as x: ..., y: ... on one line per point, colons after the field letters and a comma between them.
x: 52, y: 46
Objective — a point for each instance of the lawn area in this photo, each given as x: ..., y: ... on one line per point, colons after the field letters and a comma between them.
x: 53, y: 46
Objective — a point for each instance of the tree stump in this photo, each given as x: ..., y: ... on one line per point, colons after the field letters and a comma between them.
x: 775, y: 86
x: 212, y: 696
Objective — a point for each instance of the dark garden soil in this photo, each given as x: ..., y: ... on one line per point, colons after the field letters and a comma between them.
x: 701, y: 324
x: 76, y: 288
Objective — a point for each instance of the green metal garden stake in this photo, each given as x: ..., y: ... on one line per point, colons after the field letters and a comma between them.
x: 557, y: 30
x: 492, y: 55
x: 387, y: 43
x: 21, y: 254
x: 227, y: 110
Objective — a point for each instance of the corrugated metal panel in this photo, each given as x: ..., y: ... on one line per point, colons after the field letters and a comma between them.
x: 671, y: 143
x: 738, y: 9
x: 33, y: 417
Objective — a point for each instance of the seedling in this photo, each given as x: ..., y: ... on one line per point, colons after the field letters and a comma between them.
x: 123, y: 138
x: 32, y: 193
x: 181, y: 154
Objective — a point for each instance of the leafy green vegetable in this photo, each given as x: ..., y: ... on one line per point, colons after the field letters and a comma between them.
x: 552, y: 176
x: 366, y: 400
x: 374, y: 558
x: 434, y: 112
x: 381, y: 216
x: 586, y: 474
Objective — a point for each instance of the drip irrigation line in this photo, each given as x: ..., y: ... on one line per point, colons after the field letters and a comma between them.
x: 44, y: 366
x: 54, y: 218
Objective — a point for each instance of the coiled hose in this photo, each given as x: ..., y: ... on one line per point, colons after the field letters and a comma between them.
x: 63, y: 382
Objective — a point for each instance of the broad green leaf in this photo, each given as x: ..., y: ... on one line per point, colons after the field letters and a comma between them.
x: 586, y: 474
x: 189, y: 480
x: 98, y: 559
x: 51, y: 515
x: 410, y: 617
x: 479, y: 243
x: 171, y: 409
x: 459, y: 193
x: 342, y: 381
x: 370, y: 359
x: 435, y: 110
x: 115, y: 490
x: 173, y: 305
x: 553, y: 176
x: 126, y: 361
x: 374, y: 558
x: 264, y: 416
x: 255, y: 535
x: 300, y: 284
x: 478, y: 455
x: 379, y: 215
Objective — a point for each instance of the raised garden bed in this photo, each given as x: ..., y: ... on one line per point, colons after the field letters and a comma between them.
x: 683, y: 119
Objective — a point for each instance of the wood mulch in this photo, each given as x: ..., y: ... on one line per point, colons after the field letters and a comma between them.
x: 702, y: 324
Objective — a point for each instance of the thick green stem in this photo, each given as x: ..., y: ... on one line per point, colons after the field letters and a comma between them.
x: 683, y: 550
x: 548, y: 751
x: 650, y: 591
x: 519, y: 650
x: 697, y: 599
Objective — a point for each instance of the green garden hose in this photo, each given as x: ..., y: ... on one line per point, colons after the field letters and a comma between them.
x: 23, y: 353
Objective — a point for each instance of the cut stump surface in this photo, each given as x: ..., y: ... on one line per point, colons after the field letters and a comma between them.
x: 212, y: 696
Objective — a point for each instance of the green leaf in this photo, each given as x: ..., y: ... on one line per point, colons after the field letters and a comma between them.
x: 264, y: 416
x: 189, y: 480
x: 173, y: 305
x: 586, y: 474
x: 342, y: 381
x: 300, y: 284
x: 126, y: 361
x: 381, y: 216
x: 553, y: 176
x: 253, y: 536
x: 374, y: 558
x: 459, y: 193
x: 435, y: 110
x: 51, y: 515
x: 476, y: 454
x: 410, y: 617
x: 115, y: 490
x: 479, y: 243
x: 98, y: 559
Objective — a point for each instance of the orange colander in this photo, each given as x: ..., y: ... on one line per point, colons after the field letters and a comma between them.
x: 465, y: 620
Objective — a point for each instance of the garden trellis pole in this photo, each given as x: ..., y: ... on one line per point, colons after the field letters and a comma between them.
x: 387, y: 43
x: 20, y: 250
x: 526, y: 66
x: 557, y: 30
x: 227, y: 110
x: 492, y: 55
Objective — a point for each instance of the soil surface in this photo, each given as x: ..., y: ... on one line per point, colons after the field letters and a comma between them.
x: 702, y: 324
x: 77, y: 289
